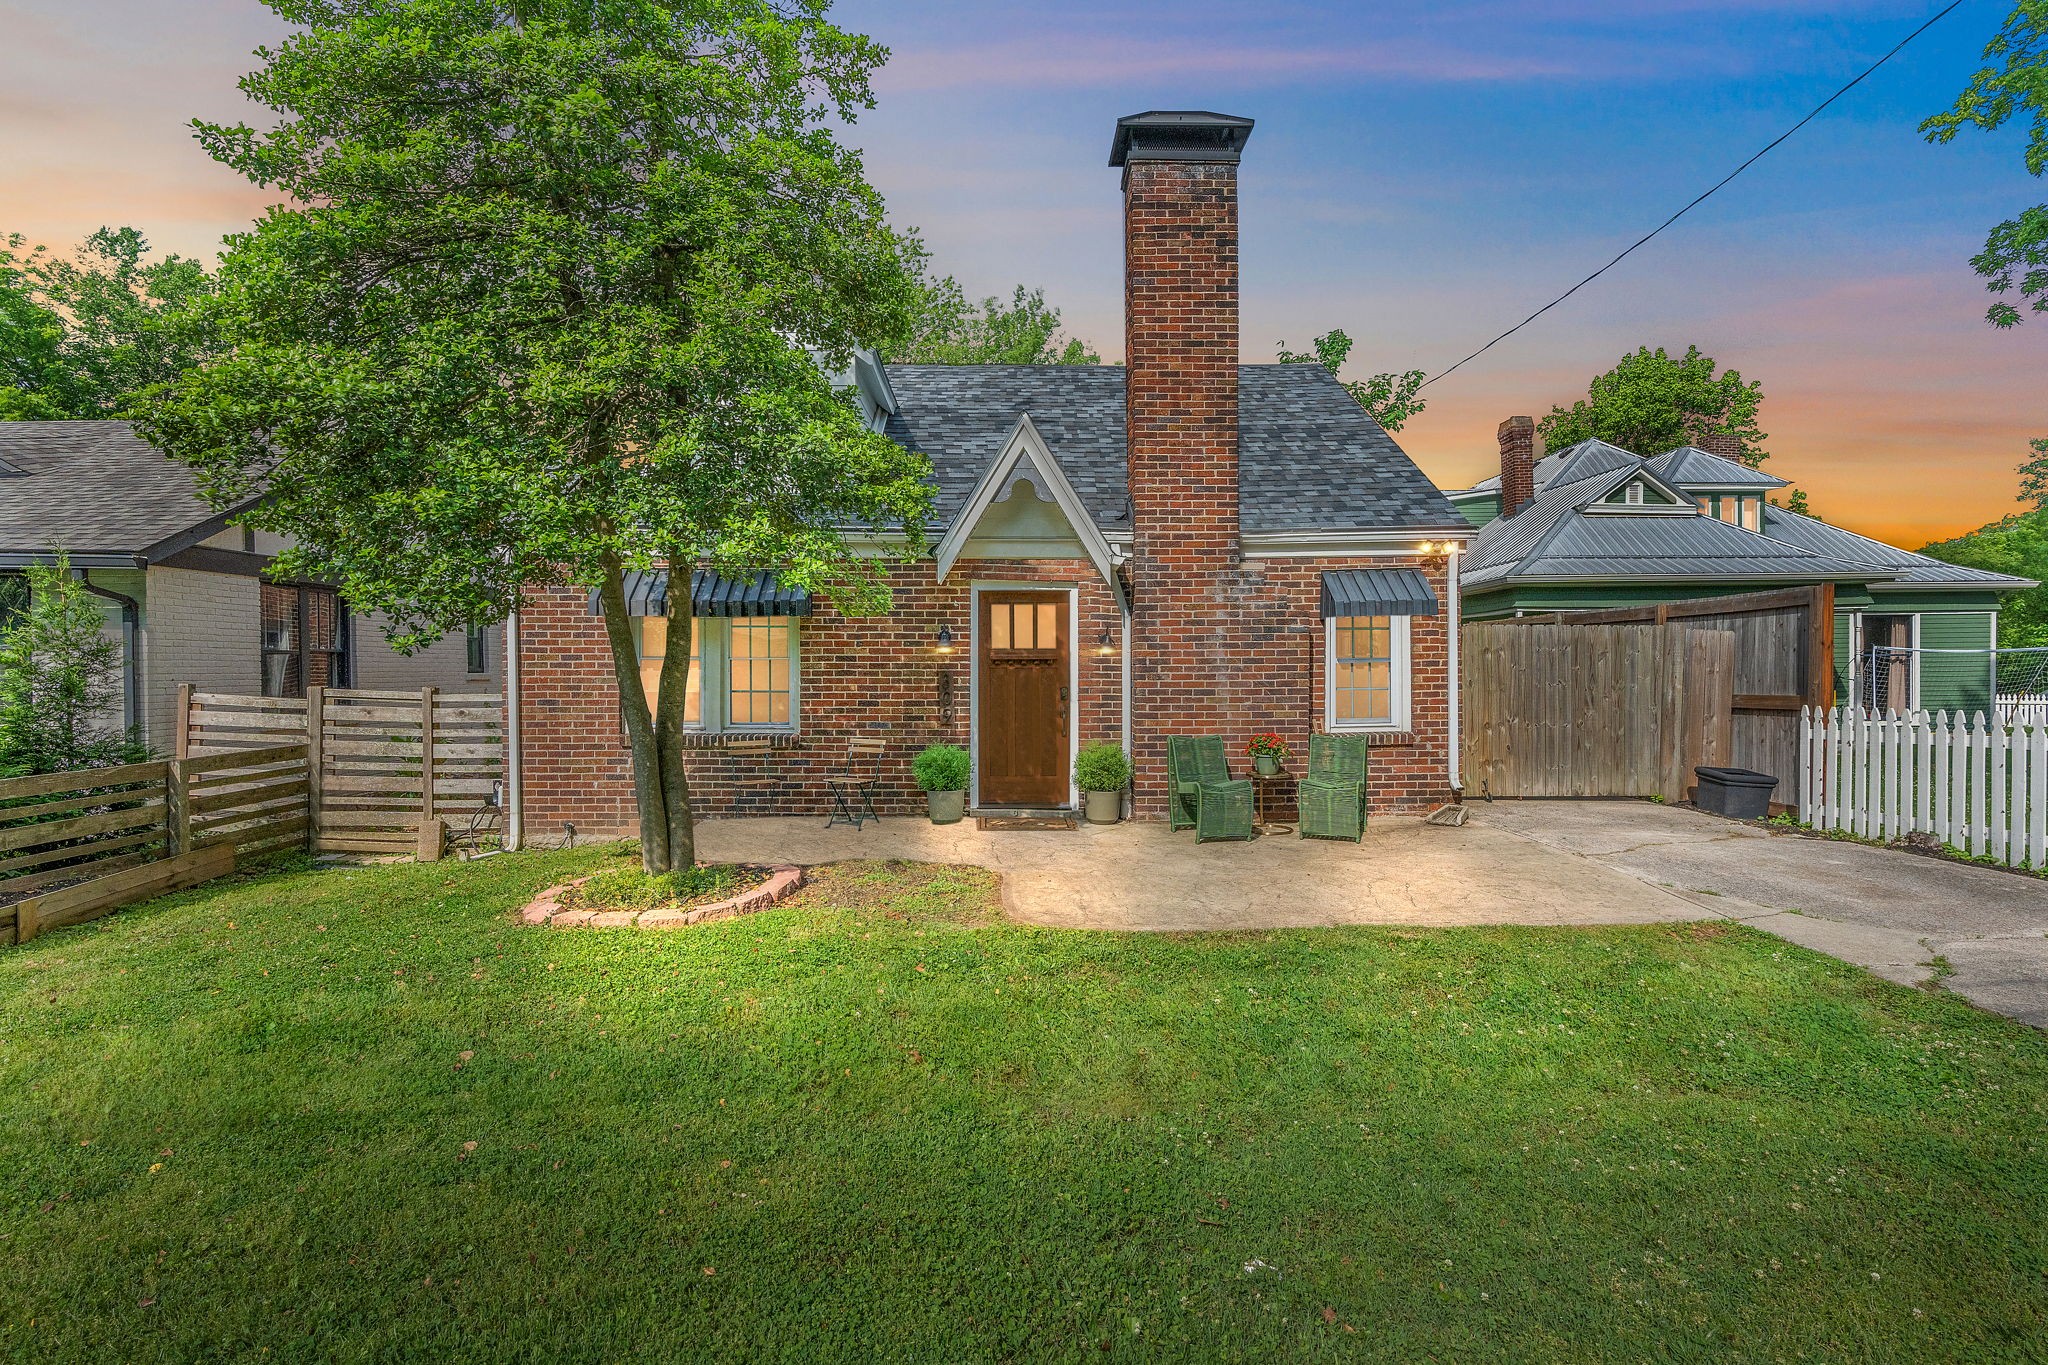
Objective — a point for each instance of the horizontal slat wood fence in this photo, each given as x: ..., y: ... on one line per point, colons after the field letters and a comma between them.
x: 1973, y: 783
x: 1593, y: 710
x: 384, y: 770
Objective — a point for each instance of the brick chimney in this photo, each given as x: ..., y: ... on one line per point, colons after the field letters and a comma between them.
x: 1517, y: 464
x: 1180, y: 424
x: 1721, y: 443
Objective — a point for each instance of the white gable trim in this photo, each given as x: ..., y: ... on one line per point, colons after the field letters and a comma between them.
x: 1024, y: 441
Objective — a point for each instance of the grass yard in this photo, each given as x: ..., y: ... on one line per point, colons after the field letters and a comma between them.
x: 358, y: 1114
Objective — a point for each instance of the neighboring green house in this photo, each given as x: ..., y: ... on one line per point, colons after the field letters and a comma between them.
x: 1602, y: 528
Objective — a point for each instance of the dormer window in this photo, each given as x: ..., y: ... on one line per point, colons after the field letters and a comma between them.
x: 1637, y: 493
x: 1737, y: 509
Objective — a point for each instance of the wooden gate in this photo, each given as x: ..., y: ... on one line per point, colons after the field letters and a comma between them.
x: 1784, y: 660
x: 1593, y: 710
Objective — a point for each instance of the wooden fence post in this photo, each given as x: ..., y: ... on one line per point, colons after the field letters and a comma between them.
x: 177, y: 808
x: 316, y: 761
x: 431, y: 831
x: 182, y: 743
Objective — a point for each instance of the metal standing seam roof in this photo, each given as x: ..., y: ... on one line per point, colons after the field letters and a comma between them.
x: 1703, y: 469
x: 756, y: 594
x: 1309, y: 457
x: 1902, y: 566
x: 1377, y: 592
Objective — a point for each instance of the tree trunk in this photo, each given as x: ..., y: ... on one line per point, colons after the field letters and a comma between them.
x: 669, y: 717
x: 657, y: 854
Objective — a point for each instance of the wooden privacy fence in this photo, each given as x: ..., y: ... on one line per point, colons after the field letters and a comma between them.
x: 1784, y: 660
x: 1974, y: 784
x: 386, y: 771
x: 1593, y: 710
x: 76, y: 845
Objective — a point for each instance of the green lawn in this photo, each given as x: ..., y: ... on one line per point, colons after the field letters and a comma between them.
x: 358, y: 1114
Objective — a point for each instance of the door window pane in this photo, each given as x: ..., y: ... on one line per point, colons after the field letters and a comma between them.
x: 1048, y: 625
x: 999, y: 625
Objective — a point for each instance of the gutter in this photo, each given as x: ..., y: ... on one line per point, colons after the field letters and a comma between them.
x: 131, y: 630
x: 515, y: 787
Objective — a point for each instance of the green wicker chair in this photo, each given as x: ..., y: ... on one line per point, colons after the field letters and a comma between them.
x: 1191, y: 760
x: 1223, y: 810
x: 1332, y: 794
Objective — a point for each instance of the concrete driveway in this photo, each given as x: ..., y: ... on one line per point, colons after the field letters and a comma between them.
x: 1903, y: 916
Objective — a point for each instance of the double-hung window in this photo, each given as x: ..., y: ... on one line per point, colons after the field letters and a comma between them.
x: 1367, y: 678
x: 750, y: 662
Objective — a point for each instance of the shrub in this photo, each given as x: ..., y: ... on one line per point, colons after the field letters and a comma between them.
x: 61, y: 680
x: 1102, y: 767
x: 940, y: 768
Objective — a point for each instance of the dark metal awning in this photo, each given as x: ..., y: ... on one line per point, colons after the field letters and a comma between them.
x: 755, y: 594
x: 1377, y: 592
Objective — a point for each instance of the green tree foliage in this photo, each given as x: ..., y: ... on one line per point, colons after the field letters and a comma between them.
x: 2017, y: 545
x: 1795, y: 501
x: 1025, y: 331
x: 80, y: 337
x: 2034, y: 475
x: 560, y: 303
x: 2015, y: 255
x: 1650, y: 402
x: 60, y: 681
x: 1390, y: 398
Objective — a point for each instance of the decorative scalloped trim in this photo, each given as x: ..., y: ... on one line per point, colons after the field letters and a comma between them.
x: 546, y: 908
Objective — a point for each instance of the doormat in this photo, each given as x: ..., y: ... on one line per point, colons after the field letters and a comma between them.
x: 1023, y: 822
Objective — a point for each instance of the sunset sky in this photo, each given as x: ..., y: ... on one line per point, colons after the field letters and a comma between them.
x: 1421, y: 175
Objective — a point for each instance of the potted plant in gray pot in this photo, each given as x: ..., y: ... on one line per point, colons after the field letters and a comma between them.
x: 940, y: 771
x: 1102, y: 771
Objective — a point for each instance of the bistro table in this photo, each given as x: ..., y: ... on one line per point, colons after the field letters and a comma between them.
x: 1263, y: 783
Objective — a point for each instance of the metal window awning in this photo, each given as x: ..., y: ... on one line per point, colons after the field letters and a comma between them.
x: 1377, y: 592
x: 755, y: 594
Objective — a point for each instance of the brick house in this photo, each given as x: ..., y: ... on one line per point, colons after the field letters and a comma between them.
x: 1179, y: 545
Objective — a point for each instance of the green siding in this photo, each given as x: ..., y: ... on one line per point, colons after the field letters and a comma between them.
x: 1947, y: 683
x: 1492, y: 604
x: 1480, y: 508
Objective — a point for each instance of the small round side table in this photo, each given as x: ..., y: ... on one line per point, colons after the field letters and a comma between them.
x: 1262, y: 783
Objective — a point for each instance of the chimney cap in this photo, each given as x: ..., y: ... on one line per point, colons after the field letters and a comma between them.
x: 1179, y: 135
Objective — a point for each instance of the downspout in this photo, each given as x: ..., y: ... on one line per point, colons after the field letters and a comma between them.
x: 1130, y: 793
x: 515, y: 786
x: 131, y: 630
x: 1451, y: 549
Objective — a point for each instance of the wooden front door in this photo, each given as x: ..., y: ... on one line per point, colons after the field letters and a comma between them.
x: 1023, y: 707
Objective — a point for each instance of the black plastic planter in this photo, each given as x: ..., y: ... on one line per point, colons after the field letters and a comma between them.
x: 1737, y: 793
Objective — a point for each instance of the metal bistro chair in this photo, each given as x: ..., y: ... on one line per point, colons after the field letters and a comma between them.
x: 1191, y: 761
x: 1332, y: 795
x: 853, y: 786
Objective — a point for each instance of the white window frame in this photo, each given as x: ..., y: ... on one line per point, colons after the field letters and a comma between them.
x: 713, y: 635
x: 1403, y: 718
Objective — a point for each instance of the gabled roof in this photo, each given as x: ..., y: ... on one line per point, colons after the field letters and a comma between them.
x: 94, y: 489
x: 1309, y: 457
x: 1555, y: 539
x: 1026, y: 453
x: 1692, y: 467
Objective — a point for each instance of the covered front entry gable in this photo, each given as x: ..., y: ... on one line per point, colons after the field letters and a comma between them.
x: 1024, y: 507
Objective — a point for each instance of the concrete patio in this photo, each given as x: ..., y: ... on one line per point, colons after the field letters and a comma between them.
x: 1138, y: 876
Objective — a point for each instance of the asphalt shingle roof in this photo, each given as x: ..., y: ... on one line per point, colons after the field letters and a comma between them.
x: 91, y: 488
x: 1309, y: 458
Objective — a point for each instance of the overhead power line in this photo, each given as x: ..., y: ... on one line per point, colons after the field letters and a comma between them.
x: 1709, y: 193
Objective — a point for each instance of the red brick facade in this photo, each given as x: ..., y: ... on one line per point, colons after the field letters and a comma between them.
x: 1222, y: 644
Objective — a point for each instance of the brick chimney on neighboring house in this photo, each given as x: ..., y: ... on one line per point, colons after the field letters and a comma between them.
x: 1517, y: 464
x: 1180, y: 418
x: 1721, y: 443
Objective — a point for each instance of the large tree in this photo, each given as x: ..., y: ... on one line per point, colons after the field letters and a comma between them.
x: 2015, y: 255
x: 1652, y: 401
x: 561, y: 301
x: 1390, y: 398
x: 80, y: 336
x: 950, y: 330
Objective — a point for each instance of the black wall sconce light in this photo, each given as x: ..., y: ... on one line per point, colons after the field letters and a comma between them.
x: 1103, y: 644
x: 944, y: 644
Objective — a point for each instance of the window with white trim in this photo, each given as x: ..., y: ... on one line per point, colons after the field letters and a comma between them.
x: 1366, y: 672
x: 751, y: 660
x: 1737, y: 509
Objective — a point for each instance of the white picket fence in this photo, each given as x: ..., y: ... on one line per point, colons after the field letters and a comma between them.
x: 1976, y: 784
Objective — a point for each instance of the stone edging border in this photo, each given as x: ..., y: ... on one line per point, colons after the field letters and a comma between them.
x: 546, y: 908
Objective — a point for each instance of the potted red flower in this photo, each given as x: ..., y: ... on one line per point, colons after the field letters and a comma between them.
x: 1266, y: 752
